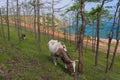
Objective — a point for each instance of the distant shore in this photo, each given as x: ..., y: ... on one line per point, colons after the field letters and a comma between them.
x: 103, y: 42
x: 106, y: 40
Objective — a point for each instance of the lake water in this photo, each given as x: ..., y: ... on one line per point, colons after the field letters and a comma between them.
x: 104, y: 30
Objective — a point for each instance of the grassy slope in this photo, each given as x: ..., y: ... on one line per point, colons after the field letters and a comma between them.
x: 21, y: 60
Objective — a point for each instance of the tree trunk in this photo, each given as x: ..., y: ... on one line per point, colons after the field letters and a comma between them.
x: 97, y: 45
x: 77, y: 31
x: 3, y: 34
x: 69, y: 31
x: 87, y: 43
x: 35, y: 18
x: 8, y: 22
x: 93, y: 38
x: 53, y: 19
x: 48, y: 32
x: 67, y: 34
x: 15, y: 19
x: 64, y: 34
x: 18, y: 21
x: 81, y: 36
x: 117, y: 43
x: 109, y: 41
x: 114, y: 54
x: 24, y: 21
x: 98, y: 28
x: 58, y: 36
x: 38, y: 24
x: 107, y: 57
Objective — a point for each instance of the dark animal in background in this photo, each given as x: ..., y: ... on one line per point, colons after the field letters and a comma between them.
x: 23, y: 37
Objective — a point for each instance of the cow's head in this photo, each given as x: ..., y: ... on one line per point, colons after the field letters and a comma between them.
x: 63, y: 46
x: 71, y: 67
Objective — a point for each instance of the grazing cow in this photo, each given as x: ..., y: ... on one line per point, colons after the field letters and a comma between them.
x: 54, y: 45
x: 58, y: 49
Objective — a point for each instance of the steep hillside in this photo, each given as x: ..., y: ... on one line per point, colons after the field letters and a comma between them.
x: 22, y: 61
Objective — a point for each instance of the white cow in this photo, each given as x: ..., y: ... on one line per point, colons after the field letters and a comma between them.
x: 53, y: 46
x: 59, y: 49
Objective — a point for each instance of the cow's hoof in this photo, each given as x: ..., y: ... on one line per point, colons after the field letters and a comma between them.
x: 73, y: 74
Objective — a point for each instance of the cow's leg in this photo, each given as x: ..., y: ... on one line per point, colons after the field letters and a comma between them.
x: 74, y: 64
x: 54, y: 60
x: 65, y: 66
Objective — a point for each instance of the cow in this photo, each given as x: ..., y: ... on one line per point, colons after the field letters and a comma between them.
x: 59, y: 50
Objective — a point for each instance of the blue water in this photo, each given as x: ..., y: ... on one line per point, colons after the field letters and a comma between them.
x: 104, y: 30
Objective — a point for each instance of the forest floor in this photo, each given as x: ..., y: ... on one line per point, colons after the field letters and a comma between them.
x: 103, y: 44
x: 21, y: 60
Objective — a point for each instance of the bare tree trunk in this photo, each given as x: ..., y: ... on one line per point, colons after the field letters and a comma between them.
x: 69, y: 31
x: 67, y: 35
x: 35, y: 18
x: 53, y: 18
x: 15, y: 19
x: 114, y: 54
x: 86, y: 43
x: 93, y: 38
x: 81, y: 36
x: 8, y: 22
x: 3, y: 34
x: 76, y: 34
x: 43, y: 24
x: 14, y: 15
x: 109, y: 41
x: 58, y: 36
x: 24, y: 21
x: 64, y: 34
x: 97, y: 45
x: 107, y: 57
x: 117, y: 43
x: 48, y: 33
x: 38, y: 24
x: 47, y: 27
x: 98, y: 28
x: 0, y: 24
x: 18, y: 21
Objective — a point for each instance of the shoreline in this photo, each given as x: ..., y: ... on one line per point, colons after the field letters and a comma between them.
x: 103, y: 42
x: 106, y: 40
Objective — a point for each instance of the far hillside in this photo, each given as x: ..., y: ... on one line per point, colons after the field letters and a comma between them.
x: 45, y: 21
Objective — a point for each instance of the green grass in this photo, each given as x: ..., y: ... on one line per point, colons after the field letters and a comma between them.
x: 23, y: 61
